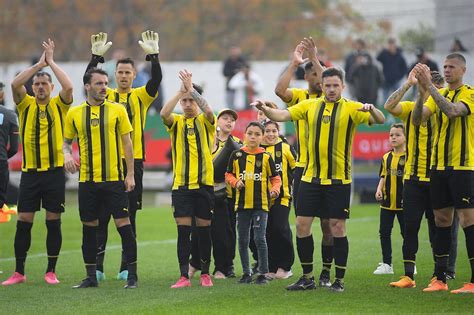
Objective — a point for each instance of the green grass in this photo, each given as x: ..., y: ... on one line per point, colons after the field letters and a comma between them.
x: 365, y: 293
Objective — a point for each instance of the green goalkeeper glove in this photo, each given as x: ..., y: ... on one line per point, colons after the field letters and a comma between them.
x: 149, y: 43
x: 99, y: 44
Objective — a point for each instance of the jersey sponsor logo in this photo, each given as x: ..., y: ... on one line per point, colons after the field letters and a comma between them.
x: 394, y: 171
x: 279, y: 167
x: 250, y: 176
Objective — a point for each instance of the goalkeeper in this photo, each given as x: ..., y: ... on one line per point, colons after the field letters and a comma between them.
x: 137, y: 101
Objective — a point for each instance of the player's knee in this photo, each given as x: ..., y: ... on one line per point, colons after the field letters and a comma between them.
x: 338, y: 227
x: 466, y: 217
x: 26, y: 216
x: 91, y: 223
x: 202, y: 222
x: 52, y: 216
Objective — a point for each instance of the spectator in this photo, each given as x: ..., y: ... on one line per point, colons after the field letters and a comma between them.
x: 366, y: 78
x: 394, y: 67
x: 358, y: 48
x: 247, y: 86
x: 422, y: 57
x: 232, y: 66
x: 457, y: 46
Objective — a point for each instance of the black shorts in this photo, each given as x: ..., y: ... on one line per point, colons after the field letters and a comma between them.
x: 135, y: 196
x: 193, y: 202
x: 4, y: 178
x: 42, y: 190
x: 297, y: 174
x: 324, y: 201
x: 417, y: 201
x: 452, y: 188
x: 97, y: 197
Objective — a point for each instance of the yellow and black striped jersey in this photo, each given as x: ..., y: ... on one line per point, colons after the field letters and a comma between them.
x: 331, y: 132
x: 392, y: 169
x: 301, y: 127
x: 255, y: 170
x: 41, y: 130
x: 285, y: 162
x: 137, y: 102
x: 454, y: 140
x: 192, y: 141
x: 419, y: 146
x: 98, y: 130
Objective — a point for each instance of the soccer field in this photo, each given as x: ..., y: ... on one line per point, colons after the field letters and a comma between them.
x: 158, y: 269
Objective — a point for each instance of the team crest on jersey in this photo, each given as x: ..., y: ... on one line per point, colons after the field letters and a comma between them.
x: 259, y: 163
x: 238, y: 154
x: 402, y: 161
x: 424, y: 124
x: 190, y: 131
x: 278, y: 154
x: 95, y: 122
x: 326, y: 119
x: 42, y: 114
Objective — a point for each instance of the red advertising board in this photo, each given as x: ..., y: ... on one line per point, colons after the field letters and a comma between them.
x: 370, y: 145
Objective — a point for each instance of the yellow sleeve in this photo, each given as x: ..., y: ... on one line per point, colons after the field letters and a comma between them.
x: 59, y: 101
x: 24, y: 103
x: 125, y: 125
x: 467, y: 98
x: 295, y: 96
x: 176, y: 117
x: 289, y: 156
x: 407, y: 108
x: 431, y: 104
x: 298, y: 112
x: 357, y: 116
x: 143, y: 95
x: 69, y: 129
x: 383, y: 169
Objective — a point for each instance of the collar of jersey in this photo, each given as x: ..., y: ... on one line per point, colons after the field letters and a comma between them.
x: 257, y: 150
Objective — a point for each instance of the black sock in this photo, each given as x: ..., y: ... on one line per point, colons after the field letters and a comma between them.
x: 305, y: 247
x: 89, y: 249
x: 469, y: 233
x: 133, y: 218
x: 22, y: 244
x: 204, y: 240
x: 341, y: 251
x: 54, y: 240
x: 123, y: 262
x: 129, y: 248
x: 184, y: 249
x: 102, y: 236
x: 441, y: 247
x: 410, y: 247
x: 327, y: 253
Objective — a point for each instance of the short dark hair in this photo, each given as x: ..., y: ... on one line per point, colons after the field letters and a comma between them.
x: 271, y: 122
x: 309, y: 66
x: 43, y: 74
x: 126, y: 61
x: 331, y: 72
x: 198, y: 88
x: 436, y: 78
x: 399, y: 126
x: 255, y: 124
x: 456, y: 56
x: 88, y: 75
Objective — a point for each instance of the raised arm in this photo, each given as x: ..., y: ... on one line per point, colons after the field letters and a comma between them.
x: 186, y: 78
x: 149, y: 44
x: 18, y: 84
x: 128, y: 152
x: 272, y: 113
x: 421, y: 113
x: 63, y: 78
x: 166, y: 112
x: 312, y: 50
x: 99, y: 47
x: 450, y: 109
x: 282, y: 89
x: 392, y: 105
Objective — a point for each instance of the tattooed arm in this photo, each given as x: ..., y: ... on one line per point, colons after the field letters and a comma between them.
x: 452, y: 110
x: 392, y: 105
x: 203, y: 105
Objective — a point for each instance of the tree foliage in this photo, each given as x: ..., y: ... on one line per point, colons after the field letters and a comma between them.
x: 189, y: 29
